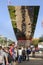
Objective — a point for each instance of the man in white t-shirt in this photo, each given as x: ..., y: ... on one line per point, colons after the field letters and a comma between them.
x: 19, y: 55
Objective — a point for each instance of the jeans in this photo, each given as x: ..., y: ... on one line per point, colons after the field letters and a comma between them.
x: 19, y: 58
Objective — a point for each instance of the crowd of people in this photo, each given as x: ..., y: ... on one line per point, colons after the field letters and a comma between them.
x: 11, y: 54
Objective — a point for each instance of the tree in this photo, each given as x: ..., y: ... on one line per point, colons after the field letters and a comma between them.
x: 1, y: 41
x: 41, y: 39
x: 35, y: 42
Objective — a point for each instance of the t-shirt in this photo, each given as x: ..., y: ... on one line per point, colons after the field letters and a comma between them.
x: 11, y: 51
x: 19, y: 52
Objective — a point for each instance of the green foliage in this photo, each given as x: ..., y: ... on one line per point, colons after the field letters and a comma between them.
x: 12, y: 15
x: 12, y: 12
x: 35, y: 42
x: 4, y: 41
x: 1, y: 40
x: 41, y: 39
x: 14, y: 24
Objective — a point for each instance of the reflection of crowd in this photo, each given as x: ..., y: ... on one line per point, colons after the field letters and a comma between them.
x: 10, y: 55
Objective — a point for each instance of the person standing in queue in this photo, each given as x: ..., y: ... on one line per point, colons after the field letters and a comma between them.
x: 2, y: 56
x: 28, y: 52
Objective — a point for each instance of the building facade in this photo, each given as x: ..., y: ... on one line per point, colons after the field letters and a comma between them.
x: 24, y: 22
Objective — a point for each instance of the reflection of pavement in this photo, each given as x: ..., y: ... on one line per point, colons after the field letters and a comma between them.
x: 31, y: 62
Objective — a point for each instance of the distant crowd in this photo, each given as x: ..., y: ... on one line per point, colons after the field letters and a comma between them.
x: 10, y: 55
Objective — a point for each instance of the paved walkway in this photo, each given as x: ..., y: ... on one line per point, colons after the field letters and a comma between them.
x: 37, y: 55
x: 31, y: 62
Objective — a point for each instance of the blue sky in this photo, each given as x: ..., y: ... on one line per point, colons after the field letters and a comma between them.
x: 6, y: 28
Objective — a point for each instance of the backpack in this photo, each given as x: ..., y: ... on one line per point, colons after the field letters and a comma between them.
x: 28, y: 51
x: 23, y: 52
x: 1, y: 57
